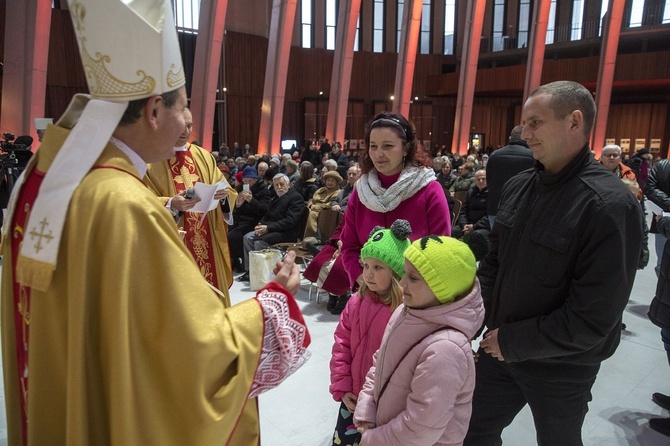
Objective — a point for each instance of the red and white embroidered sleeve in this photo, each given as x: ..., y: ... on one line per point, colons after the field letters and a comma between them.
x: 285, y: 339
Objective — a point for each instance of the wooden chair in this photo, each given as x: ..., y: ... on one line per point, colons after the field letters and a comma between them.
x: 456, y: 210
x: 301, y: 256
x: 461, y: 195
x: 327, y: 222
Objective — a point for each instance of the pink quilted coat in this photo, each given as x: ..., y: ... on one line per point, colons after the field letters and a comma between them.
x: 357, y: 338
x: 429, y: 398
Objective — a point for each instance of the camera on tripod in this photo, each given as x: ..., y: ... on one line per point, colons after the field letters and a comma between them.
x: 14, y: 156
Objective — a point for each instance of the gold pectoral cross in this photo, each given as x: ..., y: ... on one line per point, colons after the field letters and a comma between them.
x: 40, y: 235
x: 186, y: 178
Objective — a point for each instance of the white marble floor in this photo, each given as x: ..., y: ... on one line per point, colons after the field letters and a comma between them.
x: 301, y: 412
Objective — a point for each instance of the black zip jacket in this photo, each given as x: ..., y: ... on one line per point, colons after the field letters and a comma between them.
x: 564, y: 253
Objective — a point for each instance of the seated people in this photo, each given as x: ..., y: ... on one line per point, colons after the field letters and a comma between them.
x: 340, y: 202
x: 281, y: 223
x: 306, y: 184
x: 250, y: 206
x: 446, y: 177
x: 321, y: 200
x: 465, y: 181
x: 473, y: 217
x: 336, y: 154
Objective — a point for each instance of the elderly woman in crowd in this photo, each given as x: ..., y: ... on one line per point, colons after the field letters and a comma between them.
x: 397, y: 182
x: 322, y: 199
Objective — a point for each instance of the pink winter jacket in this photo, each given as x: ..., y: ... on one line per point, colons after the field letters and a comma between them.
x: 429, y: 398
x: 427, y: 212
x: 357, y: 338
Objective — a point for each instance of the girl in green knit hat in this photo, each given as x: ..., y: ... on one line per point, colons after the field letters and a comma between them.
x: 363, y: 321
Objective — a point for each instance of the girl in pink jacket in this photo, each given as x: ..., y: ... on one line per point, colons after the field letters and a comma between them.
x: 363, y: 321
x: 419, y: 389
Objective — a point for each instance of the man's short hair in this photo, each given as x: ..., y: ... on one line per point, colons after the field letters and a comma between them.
x: 282, y: 176
x: 134, y: 110
x: 516, y: 132
x: 330, y: 163
x: 568, y: 96
x: 612, y: 147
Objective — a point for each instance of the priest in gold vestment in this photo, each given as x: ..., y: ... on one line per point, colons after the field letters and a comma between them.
x: 110, y: 334
x: 207, y: 240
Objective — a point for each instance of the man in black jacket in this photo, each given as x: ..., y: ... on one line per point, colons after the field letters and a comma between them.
x: 503, y: 164
x: 250, y: 206
x: 280, y: 224
x: 564, y: 253
x: 658, y: 192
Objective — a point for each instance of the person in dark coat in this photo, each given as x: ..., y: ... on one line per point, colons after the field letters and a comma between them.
x: 336, y: 154
x: 659, y: 315
x: 472, y: 217
x: 281, y: 223
x: 250, y: 207
x: 564, y: 253
x: 503, y: 164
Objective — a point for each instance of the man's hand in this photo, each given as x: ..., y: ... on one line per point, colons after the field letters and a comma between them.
x: 468, y: 228
x: 239, y: 200
x: 491, y: 346
x: 336, y: 207
x: 221, y: 194
x: 261, y: 230
x: 350, y: 399
x: 288, y: 274
x: 181, y: 203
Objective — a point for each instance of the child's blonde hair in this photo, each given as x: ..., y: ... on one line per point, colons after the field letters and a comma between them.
x: 392, y: 297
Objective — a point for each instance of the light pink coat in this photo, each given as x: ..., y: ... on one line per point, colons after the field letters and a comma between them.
x: 429, y: 398
x: 357, y: 337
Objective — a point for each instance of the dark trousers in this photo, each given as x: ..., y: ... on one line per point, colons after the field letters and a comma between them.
x: 235, y: 239
x: 345, y: 432
x: 665, y: 336
x: 501, y: 391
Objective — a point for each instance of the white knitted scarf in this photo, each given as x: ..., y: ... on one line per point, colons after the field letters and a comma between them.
x: 412, y: 179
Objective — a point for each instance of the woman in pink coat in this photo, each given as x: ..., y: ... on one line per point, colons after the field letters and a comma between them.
x: 419, y: 390
x: 396, y: 184
x: 363, y: 321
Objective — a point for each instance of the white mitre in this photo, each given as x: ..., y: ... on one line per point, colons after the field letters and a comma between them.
x: 129, y: 50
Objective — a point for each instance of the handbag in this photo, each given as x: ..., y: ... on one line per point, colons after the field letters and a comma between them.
x: 261, y: 266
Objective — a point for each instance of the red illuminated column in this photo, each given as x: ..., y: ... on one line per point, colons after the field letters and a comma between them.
x: 409, y: 40
x: 468, y: 74
x: 27, y: 28
x: 536, y: 45
x: 276, y: 70
x: 206, y: 68
x: 340, y: 82
x: 608, y: 52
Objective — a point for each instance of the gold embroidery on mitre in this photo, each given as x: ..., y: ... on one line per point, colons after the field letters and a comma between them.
x: 101, y: 82
x: 176, y: 78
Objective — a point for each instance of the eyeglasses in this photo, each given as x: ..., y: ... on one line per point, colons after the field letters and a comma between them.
x: 610, y: 155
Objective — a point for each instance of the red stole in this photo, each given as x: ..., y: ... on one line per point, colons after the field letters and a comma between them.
x: 24, y: 205
x: 198, y: 239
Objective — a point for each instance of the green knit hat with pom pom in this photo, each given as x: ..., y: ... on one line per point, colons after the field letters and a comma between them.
x: 389, y: 245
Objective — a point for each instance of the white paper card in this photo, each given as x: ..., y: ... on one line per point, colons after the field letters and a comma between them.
x: 206, y: 194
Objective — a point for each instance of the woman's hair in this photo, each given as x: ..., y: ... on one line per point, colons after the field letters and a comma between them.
x: 415, y: 154
x: 292, y: 165
x: 306, y: 170
x: 393, y: 297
